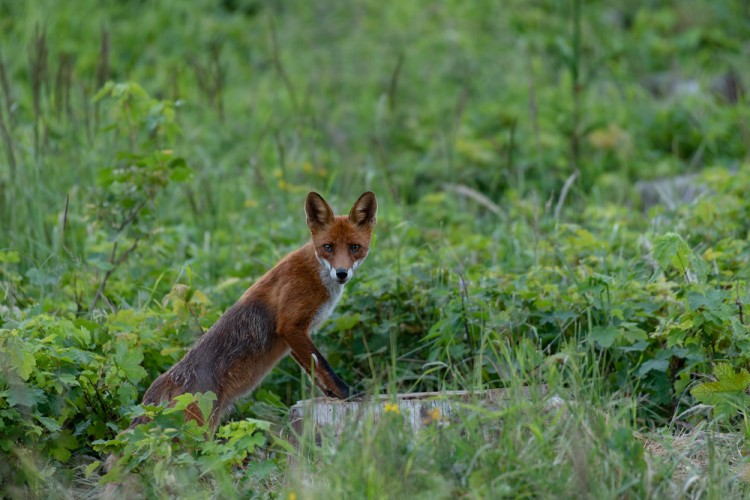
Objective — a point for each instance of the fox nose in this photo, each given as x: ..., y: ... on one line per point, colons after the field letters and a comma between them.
x: 342, y: 273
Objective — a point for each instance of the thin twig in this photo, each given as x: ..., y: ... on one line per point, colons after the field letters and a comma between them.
x: 65, y: 214
x: 127, y: 252
x: 104, y: 280
x: 5, y: 128
x: 576, y: 86
x: 394, y: 82
x: 280, y: 67
x: 38, y: 75
x: 8, y: 144
x: 509, y: 155
x: 463, y: 291
x: 102, y: 69
x: 6, y: 90
x: 78, y: 295
x: 564, y: 194
x: 190, y: 308
x: 132, y: 215
x: 476, y: 196
x: 105, y: 411
x: 739, y: 305
x: 115, y: 264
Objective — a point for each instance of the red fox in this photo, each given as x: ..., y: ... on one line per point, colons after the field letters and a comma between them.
x: 277, y: 315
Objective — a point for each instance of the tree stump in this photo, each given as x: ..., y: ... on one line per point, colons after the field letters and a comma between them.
x: 419, y: 409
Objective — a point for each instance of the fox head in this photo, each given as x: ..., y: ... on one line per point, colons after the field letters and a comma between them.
x: 341, y: 242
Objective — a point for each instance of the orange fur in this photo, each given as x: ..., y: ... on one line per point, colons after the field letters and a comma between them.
x: 276, y: 315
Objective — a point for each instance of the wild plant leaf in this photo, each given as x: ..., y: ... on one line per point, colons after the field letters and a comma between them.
x: 181, y: 402
x: 711, y: 305
x: 63, y: 444
x: 206, y: 404
x: 605, y: 336
x: 90, y: 468
x: 17, y: 355
x: 671, y: 250
x: 346, y: 322
x: 50, y: 423
x: 658, y: 365
x: 61, y: 454
x: 129, y: 359
x: 712, y: 299
x: 24, y: 395
x: 698, y: 266
x: 728, y: 383
x: 9, y: 257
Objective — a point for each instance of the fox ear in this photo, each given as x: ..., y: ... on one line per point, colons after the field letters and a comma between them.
x: 319, y: 214
x: 365, y: 210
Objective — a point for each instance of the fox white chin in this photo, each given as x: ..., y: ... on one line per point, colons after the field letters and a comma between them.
x: 329, y: 272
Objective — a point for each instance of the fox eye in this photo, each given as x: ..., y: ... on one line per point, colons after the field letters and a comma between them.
x: 328, y: 247
x: 354, y: 247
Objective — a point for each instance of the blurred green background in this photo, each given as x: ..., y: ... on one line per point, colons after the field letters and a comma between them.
x: 560, y: 182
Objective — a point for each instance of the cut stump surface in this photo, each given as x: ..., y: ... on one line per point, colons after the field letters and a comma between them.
x: 419, y: 409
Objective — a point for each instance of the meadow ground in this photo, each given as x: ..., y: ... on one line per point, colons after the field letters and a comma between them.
x: 563, y: 204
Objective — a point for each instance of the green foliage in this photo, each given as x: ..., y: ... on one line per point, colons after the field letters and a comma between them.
x: 48, y: 379
x: 504, y: 451
x: 67, y: 382
x: 727, y: 394
x: 135, y: 113
x: 178, y: 454
x: 512, y: 147
x: 671, y: 250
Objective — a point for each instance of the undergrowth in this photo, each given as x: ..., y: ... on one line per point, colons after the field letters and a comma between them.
x: 563, y: 205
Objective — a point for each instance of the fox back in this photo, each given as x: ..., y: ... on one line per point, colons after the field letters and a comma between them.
x: 277, y: 315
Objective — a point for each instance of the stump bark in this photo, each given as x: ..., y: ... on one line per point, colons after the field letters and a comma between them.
x: 419, y: 409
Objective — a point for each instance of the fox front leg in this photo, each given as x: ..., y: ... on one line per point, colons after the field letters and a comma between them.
x: 315, y: 364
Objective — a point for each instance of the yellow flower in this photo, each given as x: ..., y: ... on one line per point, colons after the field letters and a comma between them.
x: 292, y: 496
x: 435, y: 414
x: 307, y: 167
x: 251, y: 203
x: 391, y: 408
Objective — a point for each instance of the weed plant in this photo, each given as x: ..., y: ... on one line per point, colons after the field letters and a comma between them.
x: 563, y: 204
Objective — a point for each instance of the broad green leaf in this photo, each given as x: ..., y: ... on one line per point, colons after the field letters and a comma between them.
x: 61, y: 454
x: 42, y: 278
x: 605, y: 336
x: 671, y: 250
x: 20, y: 358
x: 659, y: 365
x: 206, y: 404
x: 128, y: 359
x: 63, y: 443
x: 50, y: 423
x: 347, y: 322
x: 181, y: 402
x: 639, y: 346
x: 727, y: 383
x: 23, y: 395
x: 711, y: 300
x: 9, y: 257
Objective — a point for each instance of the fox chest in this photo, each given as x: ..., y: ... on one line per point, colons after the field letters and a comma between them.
x: 326, y: 308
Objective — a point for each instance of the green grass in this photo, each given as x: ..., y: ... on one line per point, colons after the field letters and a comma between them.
x: 518, y: 243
